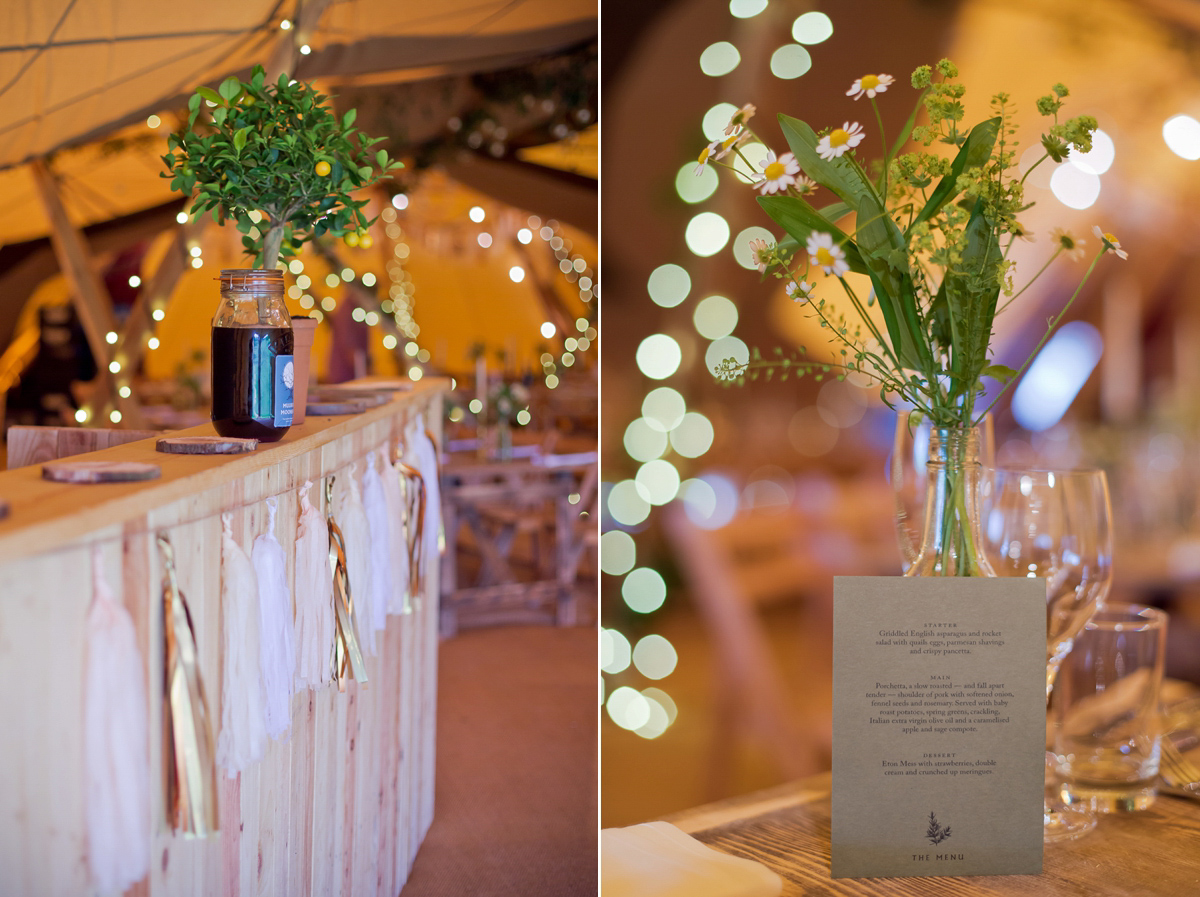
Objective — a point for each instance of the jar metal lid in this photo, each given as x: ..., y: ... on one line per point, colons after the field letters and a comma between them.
x: 250, y: 279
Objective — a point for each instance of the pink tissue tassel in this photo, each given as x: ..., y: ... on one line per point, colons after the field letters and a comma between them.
x: 315, y: 627
x: 382, y: 570
x: 356, y: 530
x: 277, y: 658
x: 243, y: 738
x: 116, y: 744
x: 393, y: 494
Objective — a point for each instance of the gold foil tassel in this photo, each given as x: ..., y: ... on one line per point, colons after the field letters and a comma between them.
x: 191, y: 786
x: 347, y: 657
x: 414, y: 491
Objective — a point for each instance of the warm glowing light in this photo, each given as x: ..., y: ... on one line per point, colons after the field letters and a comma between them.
x: 476, y: 214
x: 484, y: 240
x: 618, y: 552
x: 726, y: 347
x: 389, y: 341
x: 358, y: 314
x: 659, y: 356
x: 400, y: 201
x: 114, y: 367
x: 1074, y: 187
x: 195, y: 251
x: 548, y: 329
x: 655, y: 657
x: 525, y: 235
x: 715, y: 317
x: 524, y: 417
x: 643, y: 441
x: 551, y: 381
x: 790, y: 61
x: 715, y: 120
x: 626, y: 505
x: 628, y: 709
x: 706, y: 234
x: 114, y: 416
x: 615, y: 651
x: 710, y: 501
x: 285, y: 25
x: 348, y: 274
x: 746, y: 9
x: 1097, y: 160
x: 305, y: 49
x: 719, y: 59
x: 812, y: 28
x: 181, y: 217
x: 111, y: 337
x: 415, y: 373
x: 153, y: 121
x: 694, y: 435
x: 152, y: 343
x: 644, y: 590
x: 158, y: 314
x: 124, y: 392
x: 372, y: 318
x: 81, y: 415
x: 663, y: 408
x: 475, y: 406
x: 516, y: 273
x: 669, y: 285
x: 1182, y: 134
x: 197, y: 262
x: 328, y: 303
x: 368, y: 279
x: 742, y: 253
x: 657, y: 481
x: 694, y: 188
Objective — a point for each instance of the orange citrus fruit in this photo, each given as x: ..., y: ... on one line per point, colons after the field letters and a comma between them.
x: 366, y: 241
x: 351, y: 239
x: 323, y: 168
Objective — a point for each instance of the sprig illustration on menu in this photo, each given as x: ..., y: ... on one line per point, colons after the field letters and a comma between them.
x: 935, y: 832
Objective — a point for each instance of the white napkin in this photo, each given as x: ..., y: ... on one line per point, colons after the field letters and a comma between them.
x: 656, y: 859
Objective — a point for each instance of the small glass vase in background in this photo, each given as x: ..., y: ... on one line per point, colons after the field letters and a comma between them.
x: 951, y: 532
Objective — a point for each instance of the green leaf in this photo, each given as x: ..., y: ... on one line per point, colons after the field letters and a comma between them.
x: 800, y: 219
x: 230, y: 89
x: 975, y: 152
x: 842, y: 175
x: 348, y: 119
x: 194, y: 102
x: 219, y: 115
x: 999, y: 372
x: 971, y: 293
x: 209, y: 94
x: 381, y: 159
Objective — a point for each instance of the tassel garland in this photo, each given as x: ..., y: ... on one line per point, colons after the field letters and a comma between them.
x: 347, y: 657
x: 243, y: 738
x: 191, y: 786
x: 277, y: 653
x: 382, y: 572
x: 414, y: 516
x: 315, y: 625
x: 116, y: 744
x: 356, y: 545
x: 393, y: 493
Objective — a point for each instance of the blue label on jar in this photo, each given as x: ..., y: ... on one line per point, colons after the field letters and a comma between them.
x: 285, y: 381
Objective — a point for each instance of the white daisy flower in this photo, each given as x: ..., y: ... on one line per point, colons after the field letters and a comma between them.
x: 1110, y: 242
x: 760, y: 252
x: 869, y: 85
x: 839, y: 140
x: 706, y: 154
x: 1071, y: 245
x: 798, y: 291
x: 778, y: 173
x: 822, y: 251
x: 804, y: 186
x: 739, y: 119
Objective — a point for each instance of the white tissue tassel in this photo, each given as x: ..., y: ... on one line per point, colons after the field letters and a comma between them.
x: 243, y: 737
x: 116, y: 745
x: 382, y: 583
x: 397, y: 541
x: 314, y: 597
x: 356, y: 530
x: 277, y: 659
x: 425, y: 461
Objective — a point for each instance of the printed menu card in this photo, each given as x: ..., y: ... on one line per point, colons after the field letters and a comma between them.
x: 939, y: 725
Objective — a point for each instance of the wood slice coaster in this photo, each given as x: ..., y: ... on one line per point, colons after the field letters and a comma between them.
x: 330, y: 409
x: 205, y: 445
x: 100, y: 471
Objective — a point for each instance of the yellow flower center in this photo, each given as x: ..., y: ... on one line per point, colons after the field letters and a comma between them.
x: 1111, y: 239
x: 704, y: 155
x: 825, y: 258
x: 774, y: 170
x: 870, y: 82
x: 839, y: 137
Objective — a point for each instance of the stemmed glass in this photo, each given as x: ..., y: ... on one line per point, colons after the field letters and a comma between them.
x: 1056, y: 524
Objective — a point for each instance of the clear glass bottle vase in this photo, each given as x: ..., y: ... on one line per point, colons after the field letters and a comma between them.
x: 952, y: 533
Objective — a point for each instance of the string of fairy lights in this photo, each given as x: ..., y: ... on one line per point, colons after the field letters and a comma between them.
x: 668, y: 437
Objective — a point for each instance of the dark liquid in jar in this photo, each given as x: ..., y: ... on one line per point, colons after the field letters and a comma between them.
x: 243, y: 380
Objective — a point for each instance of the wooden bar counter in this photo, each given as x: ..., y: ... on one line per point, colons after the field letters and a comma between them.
x: 339, y: 806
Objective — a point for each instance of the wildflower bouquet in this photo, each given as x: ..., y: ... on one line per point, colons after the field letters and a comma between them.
x: 932, y: 231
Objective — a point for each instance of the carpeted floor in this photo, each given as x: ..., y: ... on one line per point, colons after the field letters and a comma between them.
x: 515, y: 810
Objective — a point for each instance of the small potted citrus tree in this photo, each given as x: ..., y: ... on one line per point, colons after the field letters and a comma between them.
x: 276, y: 160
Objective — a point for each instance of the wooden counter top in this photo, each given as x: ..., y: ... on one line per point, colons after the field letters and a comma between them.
x: 45, y: 514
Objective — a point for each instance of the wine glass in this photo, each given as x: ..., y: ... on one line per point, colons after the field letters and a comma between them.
x: 1055, y: 524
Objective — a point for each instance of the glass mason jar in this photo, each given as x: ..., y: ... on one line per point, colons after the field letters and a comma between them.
x: 952, y: 534
x: 253, y: 372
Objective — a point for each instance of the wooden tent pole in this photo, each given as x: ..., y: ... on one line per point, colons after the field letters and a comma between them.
x: 88, y: 293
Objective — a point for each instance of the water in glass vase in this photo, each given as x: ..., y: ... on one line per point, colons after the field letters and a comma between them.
x: 252, y: 382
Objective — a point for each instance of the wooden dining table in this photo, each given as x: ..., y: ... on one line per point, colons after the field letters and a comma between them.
x: 1152, y: 852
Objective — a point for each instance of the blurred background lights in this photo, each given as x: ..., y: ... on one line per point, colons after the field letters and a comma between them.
x: 746, y: 9
x: 657, y: 481
x: 710, y: 501
x: 812, y: 28
x: 663, y: 700
x: 524, y: 417
x: 715, y: 120
x: 715, y: 317
x: 706, y: 234
x: 694, y: 435
x: 694, y: 188
x: 741, y: 245
x: 719, y: 59
x: 627, y: 708
x: 808, y: 433
x: 615, y: 651
x: 618, y: 552
x: 790, y: 61
x: 476, y: 214
x: 644, y: 590
x: 1182, y: 134
x: 659, y: 356
x: 548, y: 329
x: 658, y: 722
x: 655, y: 657
x: 1057, y: 374
x: 1097, y: 160
x: 400, y: 201
x: 626, y: 505
x: 525, y: 235
x: 1074, y: 187
x: 663, y: 408
x: 516, y: 273
x: 644, y: 442
x: 725, y: 347
x: 153, y: 121
x: 755, y: 152
x: 669, y: 285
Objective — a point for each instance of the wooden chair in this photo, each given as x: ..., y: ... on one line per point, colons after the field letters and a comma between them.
x: 34, y: 445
